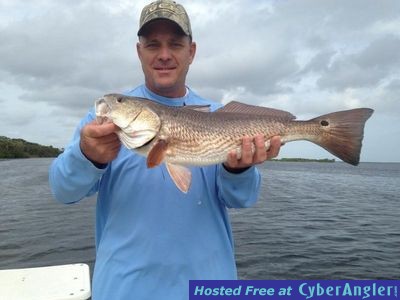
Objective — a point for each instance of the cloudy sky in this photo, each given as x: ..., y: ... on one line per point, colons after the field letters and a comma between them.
x: 308, y: 57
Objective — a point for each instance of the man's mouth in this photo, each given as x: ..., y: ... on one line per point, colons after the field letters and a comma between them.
x: 164, y: 69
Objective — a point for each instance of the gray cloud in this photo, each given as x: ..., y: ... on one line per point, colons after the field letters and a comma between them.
x: 80, y: 45
x: 368, y: 67
x: 305, y: 56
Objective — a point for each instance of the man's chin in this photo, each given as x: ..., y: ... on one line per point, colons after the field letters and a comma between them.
x: 170, y: 90
x: 165, y: 84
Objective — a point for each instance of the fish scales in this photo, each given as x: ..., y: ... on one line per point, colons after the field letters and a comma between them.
x: 189, y: 136
x: 211, y: 136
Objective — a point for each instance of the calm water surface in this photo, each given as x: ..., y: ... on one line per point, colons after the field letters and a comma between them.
x: 313, y: 221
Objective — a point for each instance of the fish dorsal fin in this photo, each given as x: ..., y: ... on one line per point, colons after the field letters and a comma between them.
x: 157, y: 153
x: 181, y: 176
x: 202, y: 108
x: 242, y: 108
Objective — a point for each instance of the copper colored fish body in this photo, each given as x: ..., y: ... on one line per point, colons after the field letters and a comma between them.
x: 182, y: 136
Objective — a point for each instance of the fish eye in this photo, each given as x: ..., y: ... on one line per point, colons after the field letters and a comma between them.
x: 119, y: 99
x: 324, y: 123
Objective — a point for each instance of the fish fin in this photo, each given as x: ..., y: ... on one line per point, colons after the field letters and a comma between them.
x: 202, y: 108
x: 157, y: 153
x: 181, y: 176
x: 343, y: 133
x: 242, y: 108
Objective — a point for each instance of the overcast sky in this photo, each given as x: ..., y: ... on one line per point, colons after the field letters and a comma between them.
x: 309, y: 57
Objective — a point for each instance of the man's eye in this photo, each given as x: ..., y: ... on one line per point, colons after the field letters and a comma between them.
x: 151, y: 46
x: 177, y: 45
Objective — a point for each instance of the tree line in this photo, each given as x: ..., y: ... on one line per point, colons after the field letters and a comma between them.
x: 19, y: 148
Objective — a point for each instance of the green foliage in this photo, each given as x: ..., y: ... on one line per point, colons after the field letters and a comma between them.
x: 19, y: 148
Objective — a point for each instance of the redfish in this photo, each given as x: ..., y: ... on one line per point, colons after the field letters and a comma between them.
x: 192, y: 135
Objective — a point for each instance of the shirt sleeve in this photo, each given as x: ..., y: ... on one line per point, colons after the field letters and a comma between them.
x: 71, y: 175
x: 238, y: 190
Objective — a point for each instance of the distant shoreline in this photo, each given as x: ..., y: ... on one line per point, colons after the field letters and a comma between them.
x: 324, y: 160
x: 19, y: 148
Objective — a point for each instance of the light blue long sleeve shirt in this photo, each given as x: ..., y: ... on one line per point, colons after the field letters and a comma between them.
x: 151, y: 238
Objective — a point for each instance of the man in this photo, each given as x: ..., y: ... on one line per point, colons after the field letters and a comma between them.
x: 151, y: 239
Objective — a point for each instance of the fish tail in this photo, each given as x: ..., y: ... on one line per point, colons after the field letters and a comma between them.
x: 342, y: 133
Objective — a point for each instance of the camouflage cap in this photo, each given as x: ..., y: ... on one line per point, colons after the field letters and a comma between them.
x: 165, y: 9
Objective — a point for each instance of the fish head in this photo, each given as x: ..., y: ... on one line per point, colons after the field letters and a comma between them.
x: 139, y: 124
x: 117, y: 109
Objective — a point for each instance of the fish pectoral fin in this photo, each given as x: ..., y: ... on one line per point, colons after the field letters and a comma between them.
x: 157, y: 153
x: 181, y: 176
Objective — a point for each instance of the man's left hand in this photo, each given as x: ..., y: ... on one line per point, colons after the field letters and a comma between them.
x: 250, y: 158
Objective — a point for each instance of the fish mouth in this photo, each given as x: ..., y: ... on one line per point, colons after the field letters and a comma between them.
x: 102, y: 109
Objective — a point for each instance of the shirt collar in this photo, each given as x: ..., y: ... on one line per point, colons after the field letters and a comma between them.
x: 180, y: 101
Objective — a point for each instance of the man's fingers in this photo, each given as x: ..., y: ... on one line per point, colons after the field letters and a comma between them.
x: 109, y: 139
x: 260, y: 154
x: 254, y: 151
x: 96, y: 130
x: 247, y: 151
x: 99, y: 142
x: 273, y: 150
x: 232, y: 160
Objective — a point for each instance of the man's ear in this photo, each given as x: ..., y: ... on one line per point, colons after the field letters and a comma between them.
x: 192, y: 50
x: 138, y: 49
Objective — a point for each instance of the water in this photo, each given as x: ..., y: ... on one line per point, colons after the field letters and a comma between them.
x: 322, y: 221
x: 35, y: 230
x: 313, y: 221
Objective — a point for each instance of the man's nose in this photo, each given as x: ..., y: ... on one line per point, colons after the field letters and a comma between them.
x: 164, y: 54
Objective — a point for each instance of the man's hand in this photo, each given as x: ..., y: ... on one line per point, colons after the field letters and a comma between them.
x: 248, y: 158
x: 99, y: 143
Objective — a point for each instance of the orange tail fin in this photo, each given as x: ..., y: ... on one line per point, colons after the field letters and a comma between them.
x: 344, y: 132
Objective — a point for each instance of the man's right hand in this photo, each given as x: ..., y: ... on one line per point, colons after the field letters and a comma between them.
x: 99, y: 142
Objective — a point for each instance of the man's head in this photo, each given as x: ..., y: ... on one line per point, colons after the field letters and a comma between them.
x: 165, y: 47
x: 168, y: 10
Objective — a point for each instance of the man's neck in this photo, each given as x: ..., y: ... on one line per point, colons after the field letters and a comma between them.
x: 170, y: 93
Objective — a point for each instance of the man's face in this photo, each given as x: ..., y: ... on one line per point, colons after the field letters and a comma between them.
x: 165, y: 55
